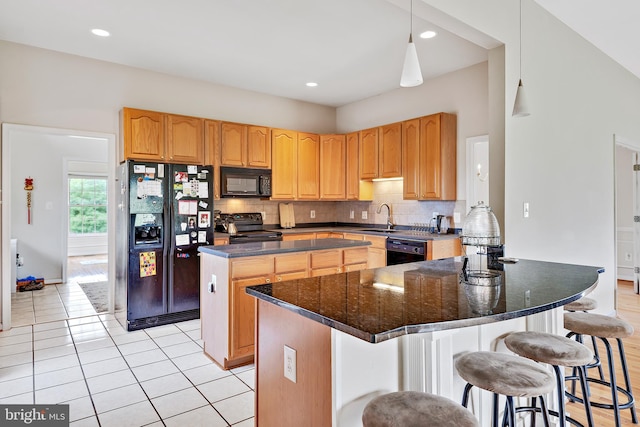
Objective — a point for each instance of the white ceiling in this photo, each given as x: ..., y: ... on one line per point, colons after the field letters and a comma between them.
x: 353, y: 49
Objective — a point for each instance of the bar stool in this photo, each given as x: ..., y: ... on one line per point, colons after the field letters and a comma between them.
x: 507, y: 375
x: 587, y: 304
x: 605, y: 328
x: 416, y: 409
x: 556, y: 351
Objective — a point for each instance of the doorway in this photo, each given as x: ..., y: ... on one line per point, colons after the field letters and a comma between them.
x: 627, y: 210
x: 41, y: 230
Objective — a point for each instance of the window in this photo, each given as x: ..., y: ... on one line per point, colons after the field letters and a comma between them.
x: 87, y: 205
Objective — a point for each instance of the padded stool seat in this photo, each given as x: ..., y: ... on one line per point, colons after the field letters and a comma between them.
x: 557, y: 351
x: 604, y: 328
x: 416, y: 409
x: 583, y: 304
x: 507, y: 375
x: 597, y: 325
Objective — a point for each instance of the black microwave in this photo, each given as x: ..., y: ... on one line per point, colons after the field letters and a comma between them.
x: 245, y: 182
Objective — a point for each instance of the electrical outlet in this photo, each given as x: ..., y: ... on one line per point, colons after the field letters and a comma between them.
x: 525, y: 210
x: 264, y: 215
x: 365, y: 215
x: 290, y: 363
x: 313, y: 213
x: 352, y: 214
x: 456, y: 217
x: 434, y: 215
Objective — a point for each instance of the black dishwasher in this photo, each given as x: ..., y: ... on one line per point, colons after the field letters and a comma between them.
x: 401, y: 251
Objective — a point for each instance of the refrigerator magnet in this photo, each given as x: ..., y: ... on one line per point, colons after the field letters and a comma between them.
x: 202, y: 237
x: 192, y: 169
x: 182, y: 239
x: 204, y: 219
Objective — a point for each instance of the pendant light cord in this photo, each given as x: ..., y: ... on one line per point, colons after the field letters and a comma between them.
x: 520, y: 40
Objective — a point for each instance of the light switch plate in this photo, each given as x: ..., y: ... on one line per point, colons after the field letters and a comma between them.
x: 290, y: 364
x: 313, y: 213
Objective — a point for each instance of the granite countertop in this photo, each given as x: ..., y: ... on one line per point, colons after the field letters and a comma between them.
x: 379, y: 304
x: 397, y: 232
x: 270, y: 248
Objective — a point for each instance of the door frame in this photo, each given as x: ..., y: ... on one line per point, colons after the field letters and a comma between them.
x: 8, y: 129
x: 633, y: 146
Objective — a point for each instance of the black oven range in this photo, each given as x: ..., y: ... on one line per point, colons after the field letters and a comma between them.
x: 245, y: 228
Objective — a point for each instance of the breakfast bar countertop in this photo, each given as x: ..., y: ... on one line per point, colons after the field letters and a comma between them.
x: 380, y: 304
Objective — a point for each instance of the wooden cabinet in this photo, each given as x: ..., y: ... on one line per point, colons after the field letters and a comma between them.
x: 298, y: 236
x: 369, y: 153
x: 381, y: 152
x: 291, y: 266
x: 284, y: 159
x: 160, y: 137
x: 212, y: 152
x: 355, y: 259
x: 185, y: 139
x: 325, y: 262
x: 143, y: 135
x: 220, y: 241
x: 377, y: 251
x: 245, y: 146
x: 390, y: 151
x: 333, y: 167
x: 445, y: 248
x: 356, y: 189
x: 308, y: 166
x: 430, y: 163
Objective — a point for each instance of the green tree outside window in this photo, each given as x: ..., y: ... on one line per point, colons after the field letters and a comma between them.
x: 87, y: 205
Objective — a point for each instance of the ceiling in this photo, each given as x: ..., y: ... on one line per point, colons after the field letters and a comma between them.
x: 353, y: 49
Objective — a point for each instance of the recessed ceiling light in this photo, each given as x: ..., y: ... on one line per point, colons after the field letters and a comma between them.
x: 101, y: 33
x: 312, y: 84
x: 428, y: 34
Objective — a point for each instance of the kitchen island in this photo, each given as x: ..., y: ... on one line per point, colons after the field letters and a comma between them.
x: 227, y: 312
x: 360, y: 334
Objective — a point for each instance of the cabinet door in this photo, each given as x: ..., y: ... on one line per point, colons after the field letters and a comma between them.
x: 308, y: 166
x: 284, y: 160
x: 369, y: 153
x: 242, y: 318
x: 353, y: 175
x: 390, y: 151
x: 143, y: 135
x: 185, y: 139
x: 377, y: 258
x: 258, y: 147
x: 430, y: 168
x: 212, y: 152
x: 333, y: 162
x: 411, y: 159
x: 233, y: 144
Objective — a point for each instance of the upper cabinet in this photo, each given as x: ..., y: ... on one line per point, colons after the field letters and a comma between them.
x: 381, y: 152
x: 308, y: 166
x: 185, y: 139
x: 245, y: 145
x: 284, y: 158
x: 429, y: 157
x: 357, y: 189
x: 161, y: 137
x: 333, y: 163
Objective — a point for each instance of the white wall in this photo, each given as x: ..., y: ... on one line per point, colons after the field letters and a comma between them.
x: 561, y: 158
x: 624, y: 211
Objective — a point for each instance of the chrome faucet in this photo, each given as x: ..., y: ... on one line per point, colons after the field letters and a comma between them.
x: 389, y: 223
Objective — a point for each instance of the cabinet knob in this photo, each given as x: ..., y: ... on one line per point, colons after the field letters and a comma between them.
x: 267, y: 280
x: 279, y: 278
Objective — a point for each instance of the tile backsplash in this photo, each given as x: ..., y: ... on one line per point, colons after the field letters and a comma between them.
x: 403, y: 212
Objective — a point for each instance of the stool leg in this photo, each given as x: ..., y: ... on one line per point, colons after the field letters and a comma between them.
x: 582, y: 372
x: 562, y: 421
x: 627, y: 380
x: 511, y: 407
x: 545, y: 411
x: 596, y: 355
x: 614, y: 387
x: 494, y: 419
x: 465, y: 394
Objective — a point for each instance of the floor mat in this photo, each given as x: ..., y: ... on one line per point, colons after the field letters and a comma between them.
x: 98, y: 294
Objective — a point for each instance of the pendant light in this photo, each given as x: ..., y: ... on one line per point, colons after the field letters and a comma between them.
x: 411, y: 73
x: 520, y: 108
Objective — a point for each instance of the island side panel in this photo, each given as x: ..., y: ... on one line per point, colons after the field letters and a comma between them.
x: 280, y: 402
x: 214, y: 307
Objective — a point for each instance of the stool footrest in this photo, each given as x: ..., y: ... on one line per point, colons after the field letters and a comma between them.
x: 626, y: 393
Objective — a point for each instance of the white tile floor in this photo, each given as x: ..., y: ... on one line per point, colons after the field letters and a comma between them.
x: 111, y: 377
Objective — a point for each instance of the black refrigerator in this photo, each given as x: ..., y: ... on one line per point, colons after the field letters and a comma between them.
x: 164, y: 215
